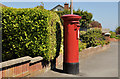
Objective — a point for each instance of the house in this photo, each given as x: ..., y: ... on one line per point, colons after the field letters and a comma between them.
x: 61, y: 8
x: 106, y: 32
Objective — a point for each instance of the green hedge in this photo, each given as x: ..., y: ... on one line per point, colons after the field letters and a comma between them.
x: 81, y: 46
x: 113, y: 34
x: 93, y: 37
x: 30, y: 32
x: 117, y: 30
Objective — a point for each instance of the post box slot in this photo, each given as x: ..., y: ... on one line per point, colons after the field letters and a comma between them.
x: 78, y: 25
x: 74, y: 22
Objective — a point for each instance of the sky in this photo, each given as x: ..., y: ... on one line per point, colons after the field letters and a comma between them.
x: 59, y: 0
x: 104, y: 12
x: 119, y: 13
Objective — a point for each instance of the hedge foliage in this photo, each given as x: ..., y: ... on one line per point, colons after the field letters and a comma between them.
x: 93, y: 37
x: 114, y: 35
x: 117, y: 30
x: 30, y: 32
x: 82, y: 45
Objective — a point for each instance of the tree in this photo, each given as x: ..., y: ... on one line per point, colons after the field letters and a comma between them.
x: 118, y: 30
x: 86, y: 18
x: 78, y: 10
x: 41, y: 6
x: 95, y: 24
x: 84, y: 21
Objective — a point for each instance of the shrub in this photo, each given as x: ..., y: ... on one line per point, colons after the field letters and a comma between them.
x: 81, y: 46
x: 113, y: 34
x: 117, y: 30
x: 82, y: 32
x: 30, y: 32
x: 117, y: 36
x: 93, y: 38
x: 107, y: 42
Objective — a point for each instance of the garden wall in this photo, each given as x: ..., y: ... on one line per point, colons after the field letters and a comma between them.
x: 26, y: 66
x: 92, y: 50
x: 112, y: 39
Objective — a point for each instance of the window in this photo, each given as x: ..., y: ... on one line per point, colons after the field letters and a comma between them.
x: 59, y: 9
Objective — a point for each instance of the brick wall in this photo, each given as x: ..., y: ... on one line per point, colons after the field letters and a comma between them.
x: 20, y: 67
x: 91, y: 50
x: 25, y: 66
x: 66, y: 6
x: 15, y: 68
x: 111, y: 39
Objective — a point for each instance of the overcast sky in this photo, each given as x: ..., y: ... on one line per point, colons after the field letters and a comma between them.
x: 104, y: 12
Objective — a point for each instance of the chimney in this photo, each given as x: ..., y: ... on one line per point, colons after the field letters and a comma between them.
x: 66, y: 6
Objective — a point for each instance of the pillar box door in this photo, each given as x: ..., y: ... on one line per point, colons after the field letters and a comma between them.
x: 71, y: 50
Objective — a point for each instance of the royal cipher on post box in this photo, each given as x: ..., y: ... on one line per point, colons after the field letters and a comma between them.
x: 71, y: 49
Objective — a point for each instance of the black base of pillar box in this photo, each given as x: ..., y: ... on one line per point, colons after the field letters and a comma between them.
x: 71, y: 68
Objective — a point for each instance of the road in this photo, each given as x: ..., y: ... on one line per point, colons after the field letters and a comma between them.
x: 103, y: 64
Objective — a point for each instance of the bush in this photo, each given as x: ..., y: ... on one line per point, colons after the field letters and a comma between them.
x: 81, y: 46
x: 82, y: 32
x: 117, y: 36
x: 30, y: 32
x: 113, y: 34
x: 107, y: 42
x: 93, y: 38
x: 117, y: 30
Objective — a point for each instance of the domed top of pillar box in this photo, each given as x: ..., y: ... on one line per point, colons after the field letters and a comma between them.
x: 71, y: 17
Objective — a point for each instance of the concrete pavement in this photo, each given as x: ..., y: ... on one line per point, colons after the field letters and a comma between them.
x: 102, y: 64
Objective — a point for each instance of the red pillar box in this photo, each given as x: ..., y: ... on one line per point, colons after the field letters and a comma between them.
x: 71, y: 50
